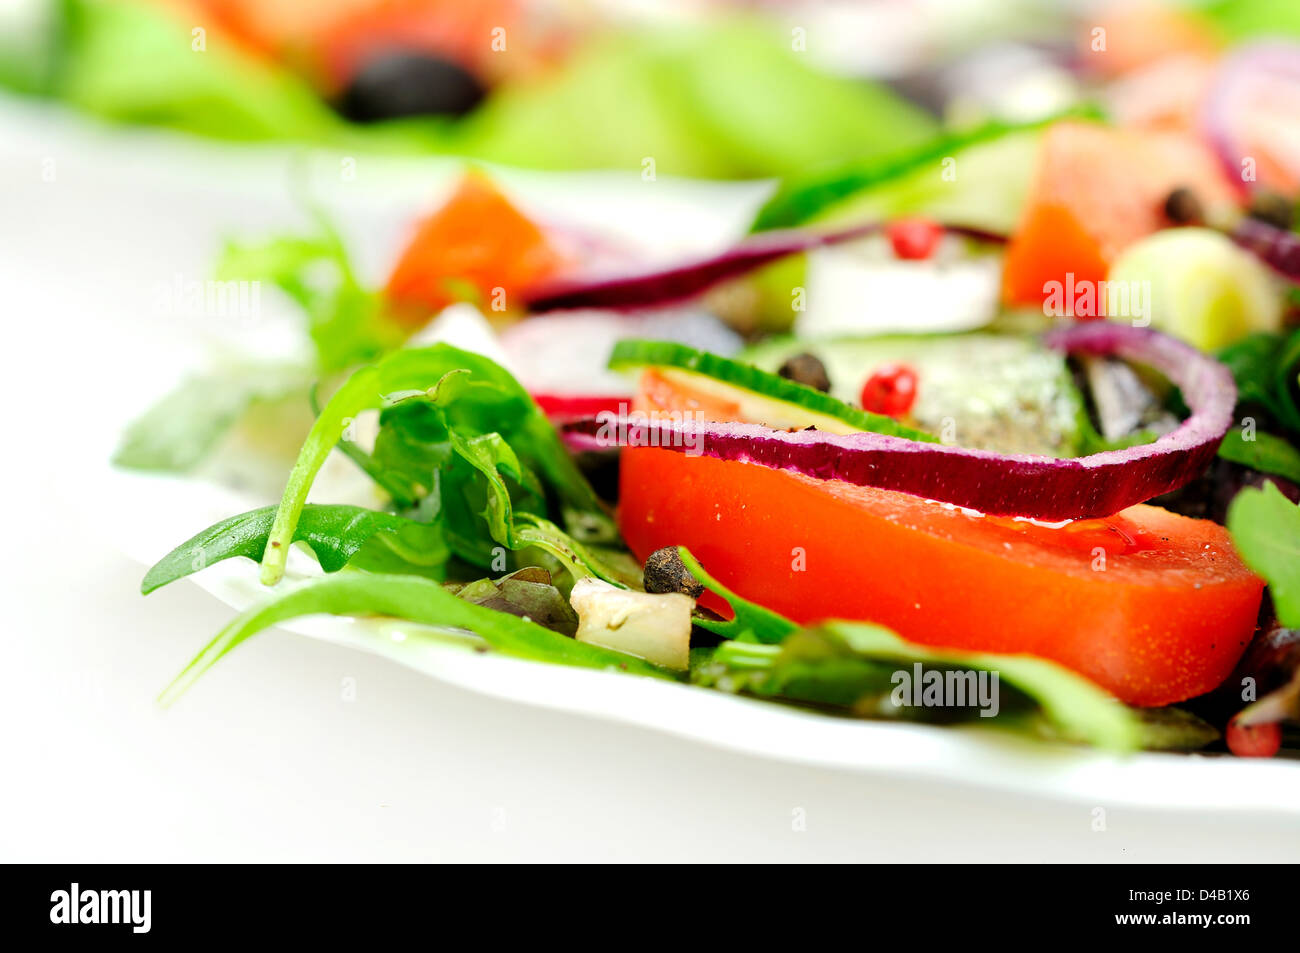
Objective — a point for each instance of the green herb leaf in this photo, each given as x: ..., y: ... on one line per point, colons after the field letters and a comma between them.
x: 440, y: 401
x: 348, y: 323
x: 335, y: 533
x: 1265, y: 528
x: 416, y: 600
x: 868, y: 670
x: 1265, y: 369
x: 750, y: 623
x: 1263, y: 452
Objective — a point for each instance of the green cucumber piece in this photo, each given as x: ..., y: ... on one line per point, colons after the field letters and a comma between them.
x: 983, y: 186
x: 763, y: 397
x: 1001, y: 392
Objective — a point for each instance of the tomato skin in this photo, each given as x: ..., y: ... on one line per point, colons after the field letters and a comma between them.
x: 1096, y: 191
x: 914, y: 239
x: 890, y: 390
x: 478, y: 239
x: 1165, y: 617
x: 1253, y: 741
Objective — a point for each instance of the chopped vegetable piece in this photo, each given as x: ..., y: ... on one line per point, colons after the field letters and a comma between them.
x: 1153, y: 607
x: 652, y: 626
x: 1097, y: 191
x: 477, y: 243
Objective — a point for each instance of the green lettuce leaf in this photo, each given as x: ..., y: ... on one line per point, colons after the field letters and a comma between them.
x: 417, y: 600
x: 336, y: 534
x: 1265, y: 528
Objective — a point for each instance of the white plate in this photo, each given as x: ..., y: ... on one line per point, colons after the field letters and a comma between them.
x: 177, y: 508
x: 145, y: 177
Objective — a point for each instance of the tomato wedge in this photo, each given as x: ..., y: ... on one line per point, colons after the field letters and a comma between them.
x: 477, y: 240
x: 1152, y: 606
x: 1097, y: 190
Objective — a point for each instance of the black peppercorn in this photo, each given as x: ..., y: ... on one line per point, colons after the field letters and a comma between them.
x: 806, y: 369
x: 1182, y: 207
x: 665, y: 572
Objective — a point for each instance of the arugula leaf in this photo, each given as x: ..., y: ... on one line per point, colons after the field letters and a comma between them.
x: 459, y: 392
x: 348, y: 323
x: 414, y: 599
x: 181, y: 429
x: 1264, y: 452
x: 750, y: 622
x: 856, y: 666
x: 1265, y: 528
x: 336, y: 534
x: 853, y: 665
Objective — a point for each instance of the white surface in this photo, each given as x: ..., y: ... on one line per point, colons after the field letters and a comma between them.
x: 264, y: 759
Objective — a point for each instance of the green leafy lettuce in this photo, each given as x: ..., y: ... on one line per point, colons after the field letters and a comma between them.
x: 1265, y: 528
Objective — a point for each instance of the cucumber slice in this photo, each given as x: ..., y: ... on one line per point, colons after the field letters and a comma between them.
x: 763, y: 397
x: 1199, y: 286
x: 983, y: 186
x: 999, y: 392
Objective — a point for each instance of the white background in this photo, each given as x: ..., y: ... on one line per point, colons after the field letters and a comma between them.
x: 263, y: 760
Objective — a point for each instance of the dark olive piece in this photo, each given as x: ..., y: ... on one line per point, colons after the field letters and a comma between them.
x: 1182, y: 207
x: 665, y: 572
x: 403, y: 83
x: 806, y: 369
x: 1272, y: 208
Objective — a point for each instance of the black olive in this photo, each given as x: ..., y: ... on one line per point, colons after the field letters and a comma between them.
x: 806, y: 369
x: 665, y: 572
x: 1182, y: 207
x: 1272, y: 208
x: 402, y: 83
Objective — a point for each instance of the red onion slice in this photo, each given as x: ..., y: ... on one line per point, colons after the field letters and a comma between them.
x: 1278, y: 249
x: 684, y: 281
x: 1258, y: 80
x: 1045, y: 488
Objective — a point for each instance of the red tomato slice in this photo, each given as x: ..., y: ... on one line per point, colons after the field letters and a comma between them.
x: 1097, y: 190
x: 478, y: 239
x: 1152, y: 606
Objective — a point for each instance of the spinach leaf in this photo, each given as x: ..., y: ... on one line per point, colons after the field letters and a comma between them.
x: 336, y: 534
x: 465, y: 395
x: 1265, y: 528
x: 417, y: 600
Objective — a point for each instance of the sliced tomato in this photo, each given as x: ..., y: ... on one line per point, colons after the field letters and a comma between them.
x: 1152, y: 606
x: 477, y: 242
x: 1096, y: 191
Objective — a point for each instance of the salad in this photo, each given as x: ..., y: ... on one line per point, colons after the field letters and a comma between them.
x: 997, y: 430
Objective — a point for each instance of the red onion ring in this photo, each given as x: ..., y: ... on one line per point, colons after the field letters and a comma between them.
x: 684, y: 281
x: 1221, y: 112
x: 1278, y: 249
x: 1045, y: 488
